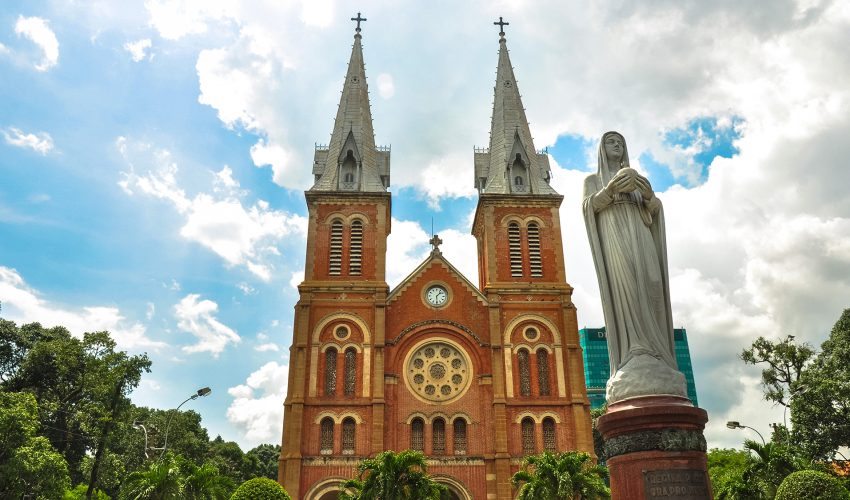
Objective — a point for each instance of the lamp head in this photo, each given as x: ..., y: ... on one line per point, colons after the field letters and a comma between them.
x: 732, y: 424
x: 203, y: 391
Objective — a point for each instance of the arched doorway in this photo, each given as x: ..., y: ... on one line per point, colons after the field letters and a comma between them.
x: 456, y: 489
x: 327, y: 489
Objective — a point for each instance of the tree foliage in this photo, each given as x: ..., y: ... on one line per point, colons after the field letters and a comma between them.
x: 261, y: 461
x: 784, y: 362
x: 569, y: 475
x: 727, y: 469
x: 173, y: 476
x: 811, y: 485
x: 393, y: 476
x: 260, y: 488
x: 28, y: 463
x: 821, y: 419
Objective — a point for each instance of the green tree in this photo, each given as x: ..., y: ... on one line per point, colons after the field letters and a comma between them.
x: 568, y: 475
x: 726, y: 468
x: 260, y: 488
x: 811, y: 485
x: 161, y: 480
x: 261, y: 461
x: 784, y: 362
x: 28, y: 463
x: 598, y: 442
x: 821, y: 419
x: 770, y: 463
x: 206, y: 483
x: 393, y: 476
x: 228, y: 457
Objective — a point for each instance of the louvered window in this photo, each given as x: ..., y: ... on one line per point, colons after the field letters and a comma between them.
x: 350, y: 371
x: 515, y: 249
x: 549, y: 434
x: 524, y: 373
x: 528, y: 445
x: 439, y: 437
x: 348, y: 429
x: 335, y: 260
x: 417, y: 429
x: 535, y: 263
x: 460, y: 436
x: 327, y: 437
x: 543, y: 371
x: 355, y: 249
x: 330, y: 372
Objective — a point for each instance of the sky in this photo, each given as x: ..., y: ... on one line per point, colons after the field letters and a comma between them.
x: 154, y: 155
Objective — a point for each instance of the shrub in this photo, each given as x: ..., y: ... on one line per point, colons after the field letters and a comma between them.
x: 260, y: 488
x: 811, y: 485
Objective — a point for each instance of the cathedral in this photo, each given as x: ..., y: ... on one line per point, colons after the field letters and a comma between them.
x: 475, y: 376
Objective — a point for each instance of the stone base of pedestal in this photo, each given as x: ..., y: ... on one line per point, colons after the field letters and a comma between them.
x: 655, y: 448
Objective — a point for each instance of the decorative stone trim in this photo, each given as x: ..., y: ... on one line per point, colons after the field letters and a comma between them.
x: 652, y: 440
x: 414, y: 326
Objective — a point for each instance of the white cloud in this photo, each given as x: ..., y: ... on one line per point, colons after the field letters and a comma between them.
x: 407, y: 247
x: 37, y: 30
x: 296, y: 279
x: 176, y: 19
x: 151, y: 310
x: 269, y: 346
x: 40, y: 142
x: 239, y: 234
x: 246, y: 289
x: 257, y: 407
x: 386, y: 85
x: 139, y: 49
x: 24, y: 304
x: 3, y: 49
x: 197, y: 317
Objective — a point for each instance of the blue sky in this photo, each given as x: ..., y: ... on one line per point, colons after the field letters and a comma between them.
x: 154, y: 157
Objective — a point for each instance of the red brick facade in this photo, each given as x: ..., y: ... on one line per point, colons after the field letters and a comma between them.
x: 504, y: 369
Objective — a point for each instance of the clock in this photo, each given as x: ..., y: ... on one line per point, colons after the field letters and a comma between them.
x: 437, y: 296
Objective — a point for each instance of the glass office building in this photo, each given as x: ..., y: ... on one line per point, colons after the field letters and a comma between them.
x: 594, y: 344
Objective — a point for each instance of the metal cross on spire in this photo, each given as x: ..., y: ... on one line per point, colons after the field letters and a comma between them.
x: 502, y: 25
x: 358, y: 19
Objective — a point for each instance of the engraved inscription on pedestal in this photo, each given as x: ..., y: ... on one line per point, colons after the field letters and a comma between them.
x: 675, y: 484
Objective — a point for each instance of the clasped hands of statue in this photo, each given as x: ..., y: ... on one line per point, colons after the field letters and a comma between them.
x: 627, y: 180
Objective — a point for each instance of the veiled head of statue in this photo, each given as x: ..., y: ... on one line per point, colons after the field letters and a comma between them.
x: 613, y: 154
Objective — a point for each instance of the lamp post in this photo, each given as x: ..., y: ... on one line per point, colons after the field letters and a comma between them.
x: 732, y: 424
x: 204, y: 391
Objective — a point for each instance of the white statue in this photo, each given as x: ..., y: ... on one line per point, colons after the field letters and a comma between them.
x: 625, y: 225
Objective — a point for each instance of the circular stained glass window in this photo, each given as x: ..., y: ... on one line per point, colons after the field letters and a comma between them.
x: 438, y: 371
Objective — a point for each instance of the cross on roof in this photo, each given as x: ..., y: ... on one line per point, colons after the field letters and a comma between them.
x: 358, y: 19
x: 436, y: 242
x: 502, y: 25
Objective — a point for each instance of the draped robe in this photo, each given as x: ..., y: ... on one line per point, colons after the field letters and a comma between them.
x: 627, y: 239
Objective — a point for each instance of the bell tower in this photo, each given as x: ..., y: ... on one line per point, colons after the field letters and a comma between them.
x: 537, y: 359
x: 334, y: 408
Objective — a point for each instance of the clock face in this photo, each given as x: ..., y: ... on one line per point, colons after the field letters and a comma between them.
x: 437, y: 296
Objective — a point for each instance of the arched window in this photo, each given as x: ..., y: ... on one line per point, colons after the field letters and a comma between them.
x: 348, y: 429
x: 335, y: 258
x: 355, y: 248
x: 348, y: 171
x: 417, y: 429
x: 515, y: 249
x: 460, y: 436
x: 438, y: 430
x: 543, y: 371
x: 520, y: 172
x: 549, y: 434
x: 524, y: 372
x: 350, y: 371
x: 330, y: 371
x: 327, y: 437
x: 528, y: 445
x: 535, y: 263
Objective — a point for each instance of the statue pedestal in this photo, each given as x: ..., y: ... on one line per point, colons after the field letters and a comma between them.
x: 655, y: 449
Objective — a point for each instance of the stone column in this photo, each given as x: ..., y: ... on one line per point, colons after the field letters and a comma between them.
x: 655, y: 448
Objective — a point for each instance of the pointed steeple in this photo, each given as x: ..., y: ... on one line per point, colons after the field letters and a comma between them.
x: 511, y: 165
x: 352, y: 162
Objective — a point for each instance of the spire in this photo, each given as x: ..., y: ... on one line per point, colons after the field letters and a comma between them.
x: 352, y: 162
x: 511, y: 165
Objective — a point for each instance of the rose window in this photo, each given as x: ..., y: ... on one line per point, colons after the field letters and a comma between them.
x: 438, y: 371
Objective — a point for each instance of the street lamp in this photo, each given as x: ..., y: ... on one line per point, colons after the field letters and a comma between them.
x: 732, y: 424
x: 204, y: 391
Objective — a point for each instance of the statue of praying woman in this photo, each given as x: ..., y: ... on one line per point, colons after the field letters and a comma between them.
x: 625, y: 225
